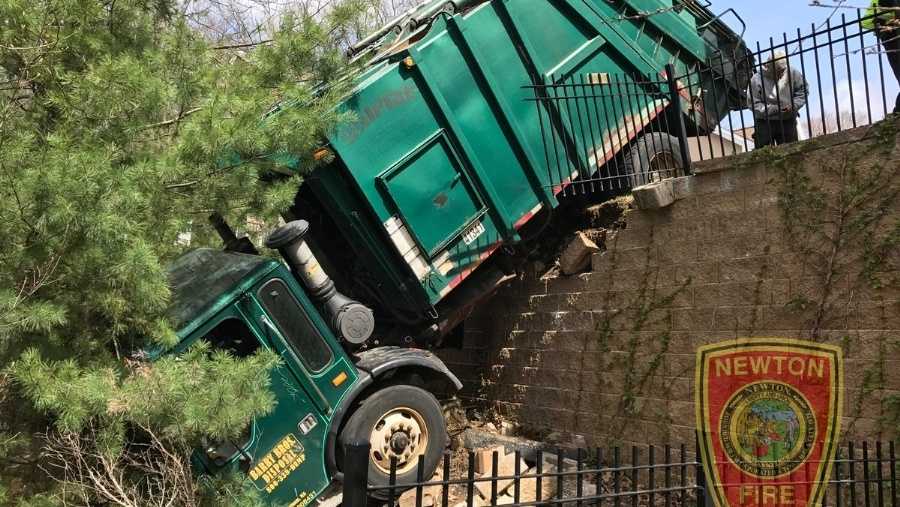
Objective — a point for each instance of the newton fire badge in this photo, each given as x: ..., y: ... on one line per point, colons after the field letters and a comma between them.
x: 768, y: 411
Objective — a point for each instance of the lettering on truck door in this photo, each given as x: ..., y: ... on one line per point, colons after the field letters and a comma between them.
x: 288, y: 466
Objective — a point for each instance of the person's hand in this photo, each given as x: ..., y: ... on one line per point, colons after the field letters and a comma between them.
x: 787, y: 109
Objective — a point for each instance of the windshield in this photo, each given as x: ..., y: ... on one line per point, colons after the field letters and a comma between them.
x: 200, y: 278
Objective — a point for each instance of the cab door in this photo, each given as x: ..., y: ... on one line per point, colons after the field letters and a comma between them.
x: 282, y: 447
x: 281, y: 451
x: 289, y: 464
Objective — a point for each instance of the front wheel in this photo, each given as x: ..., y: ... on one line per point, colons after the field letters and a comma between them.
x: 654, y: 156
x: 400, y: 422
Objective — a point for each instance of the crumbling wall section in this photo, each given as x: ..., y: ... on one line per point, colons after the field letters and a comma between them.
x: 797, y: 241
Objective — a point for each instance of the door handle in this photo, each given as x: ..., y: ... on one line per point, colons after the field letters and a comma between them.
x: 307, y: 424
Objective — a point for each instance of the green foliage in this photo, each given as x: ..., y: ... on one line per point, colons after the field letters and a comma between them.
x: 121, y: 130
x: 228, y: 490
x: 199, y: 393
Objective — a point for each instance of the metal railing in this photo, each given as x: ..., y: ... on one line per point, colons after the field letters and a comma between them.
x: 588, y: 121
x: 606, y: 132
x: 642, y: 475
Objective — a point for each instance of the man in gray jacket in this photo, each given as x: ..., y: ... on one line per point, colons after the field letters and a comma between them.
x: 778, y: 93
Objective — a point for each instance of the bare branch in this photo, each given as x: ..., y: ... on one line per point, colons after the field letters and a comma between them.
x: 172, y: 121
x: 96, y: 475
x: 243, y: 45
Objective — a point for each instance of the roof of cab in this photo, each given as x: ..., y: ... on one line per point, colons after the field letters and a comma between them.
x: 204, y: 281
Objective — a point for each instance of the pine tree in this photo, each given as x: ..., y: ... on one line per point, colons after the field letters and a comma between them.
x: 122, y: 128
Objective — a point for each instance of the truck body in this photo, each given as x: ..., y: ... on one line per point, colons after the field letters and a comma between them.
x: 440, y: 172
x: 444, y: 165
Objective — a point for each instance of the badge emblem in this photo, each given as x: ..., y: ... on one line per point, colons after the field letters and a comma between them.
x: 768, y: 411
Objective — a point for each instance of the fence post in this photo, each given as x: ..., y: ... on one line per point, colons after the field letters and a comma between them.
x: 356, y: 473
x: 704, y: 498
x: 675, y: 99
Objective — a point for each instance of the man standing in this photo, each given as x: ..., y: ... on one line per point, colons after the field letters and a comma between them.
x: 778, y: 93
x: 886, y: 23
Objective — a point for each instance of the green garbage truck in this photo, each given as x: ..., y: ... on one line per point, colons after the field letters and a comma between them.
x: 420, y: 214
x: 439, y: 182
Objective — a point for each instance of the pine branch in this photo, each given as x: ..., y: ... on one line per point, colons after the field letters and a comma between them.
x: 243, y: 45
x: 172, y: 121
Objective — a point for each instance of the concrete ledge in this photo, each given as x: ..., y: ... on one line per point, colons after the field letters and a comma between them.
x: 816, y: 143
x: 683, y: 186
x: 654, y: 195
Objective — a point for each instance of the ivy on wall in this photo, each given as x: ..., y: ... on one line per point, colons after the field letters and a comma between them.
x: 842, y: 224
x: 644, y: 351
x: 837, y: 207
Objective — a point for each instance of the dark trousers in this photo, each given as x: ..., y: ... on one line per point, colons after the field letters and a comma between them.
x: 775, y: 131
x: 890, y: 41
x: 892, y: 50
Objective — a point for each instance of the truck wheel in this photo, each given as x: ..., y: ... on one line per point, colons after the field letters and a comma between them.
x: 402, y: 422
x: 653, y: 157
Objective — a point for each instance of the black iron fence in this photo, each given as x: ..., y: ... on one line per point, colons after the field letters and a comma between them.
x: 610, y: 131
x: 862, y: 475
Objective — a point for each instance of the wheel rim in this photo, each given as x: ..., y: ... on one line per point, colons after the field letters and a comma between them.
x: 400, y: 433
x: 662, y: 165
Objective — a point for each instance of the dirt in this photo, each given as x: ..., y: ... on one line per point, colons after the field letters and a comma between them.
x: 463, y: 424
x: 550, y: 237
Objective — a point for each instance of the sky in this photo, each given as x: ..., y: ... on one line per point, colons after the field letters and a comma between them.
x: 772, y: 18
x: 767, y: 18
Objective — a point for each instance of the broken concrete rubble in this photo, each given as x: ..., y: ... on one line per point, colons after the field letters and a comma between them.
x: 484, y: 440
x: 683, y: 187
x: 528, y: 487
x: 431, y: 495
x: 474, y: 438
x: 506, y: 467
x: 554, y: 460
x: 487, y: 443
x: 577, y: 255
x: 508, y: 429
x: 505, y: 500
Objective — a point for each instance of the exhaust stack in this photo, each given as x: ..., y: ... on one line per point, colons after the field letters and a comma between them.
x: 351, y: 320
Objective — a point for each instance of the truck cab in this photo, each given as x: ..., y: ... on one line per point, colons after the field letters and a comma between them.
x: 328, y: 391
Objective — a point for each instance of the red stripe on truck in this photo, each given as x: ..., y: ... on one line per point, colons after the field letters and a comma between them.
x: 471, y: 267
x: 616, y: 144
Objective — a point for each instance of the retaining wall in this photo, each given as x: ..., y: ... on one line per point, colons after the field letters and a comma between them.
x: 796, y: 241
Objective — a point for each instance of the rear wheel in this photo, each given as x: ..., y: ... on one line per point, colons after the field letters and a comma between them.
x: 653, y: 157
x: 401, y: 422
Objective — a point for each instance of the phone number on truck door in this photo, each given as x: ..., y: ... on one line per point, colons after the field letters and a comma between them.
x: 275, y: 466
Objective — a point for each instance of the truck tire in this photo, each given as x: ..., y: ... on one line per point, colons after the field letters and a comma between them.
x: 402, y: 421
x: 652, y: 157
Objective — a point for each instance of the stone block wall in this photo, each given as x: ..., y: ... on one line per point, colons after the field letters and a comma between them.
x: 798, y: 241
